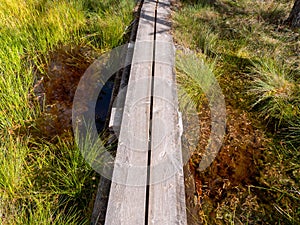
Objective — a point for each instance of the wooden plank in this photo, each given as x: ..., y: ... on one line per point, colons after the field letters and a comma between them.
x: 118, y: 107
x: 119, y: 102
x: 166, y: 193
x: 127, y: 198
x: 101, y: 200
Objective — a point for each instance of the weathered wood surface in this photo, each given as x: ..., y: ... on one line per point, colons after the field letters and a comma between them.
x: 127, y: 198
x: 101, y: 200
x: 167, y: 195
x: 131, y: 201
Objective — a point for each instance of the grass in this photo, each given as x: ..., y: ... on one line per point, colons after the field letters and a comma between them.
x: 32, y: 28
x: 39, y: 182
x: 256, y: 60
x: 42, y: 181
x: 275, y: 91
x: 195, y: 77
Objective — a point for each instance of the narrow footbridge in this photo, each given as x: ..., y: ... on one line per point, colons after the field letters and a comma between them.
x: 147, y: 182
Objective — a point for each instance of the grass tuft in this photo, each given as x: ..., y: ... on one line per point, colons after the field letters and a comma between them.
x: 195, y: 78
x: 275, y: 90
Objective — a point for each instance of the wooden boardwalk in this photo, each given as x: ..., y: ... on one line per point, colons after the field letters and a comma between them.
x: 148, y: 183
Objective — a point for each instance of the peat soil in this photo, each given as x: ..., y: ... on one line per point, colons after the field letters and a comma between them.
x: 55, y: 89
x: 217, y: 194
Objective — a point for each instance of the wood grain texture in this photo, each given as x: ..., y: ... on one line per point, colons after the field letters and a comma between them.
x: 167, y: 193
x: 128, y: 189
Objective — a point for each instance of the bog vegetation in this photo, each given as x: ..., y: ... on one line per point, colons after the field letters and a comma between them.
x: 43, y: 178
x: 46, y: 46
x: 255, y: 56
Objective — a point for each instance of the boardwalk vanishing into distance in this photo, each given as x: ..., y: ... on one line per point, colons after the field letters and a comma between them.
x: 148, y: 183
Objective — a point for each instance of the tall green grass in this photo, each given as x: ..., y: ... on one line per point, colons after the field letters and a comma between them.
x: 46, y: 182
x: 31, y: 28
x: 40, y: 184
